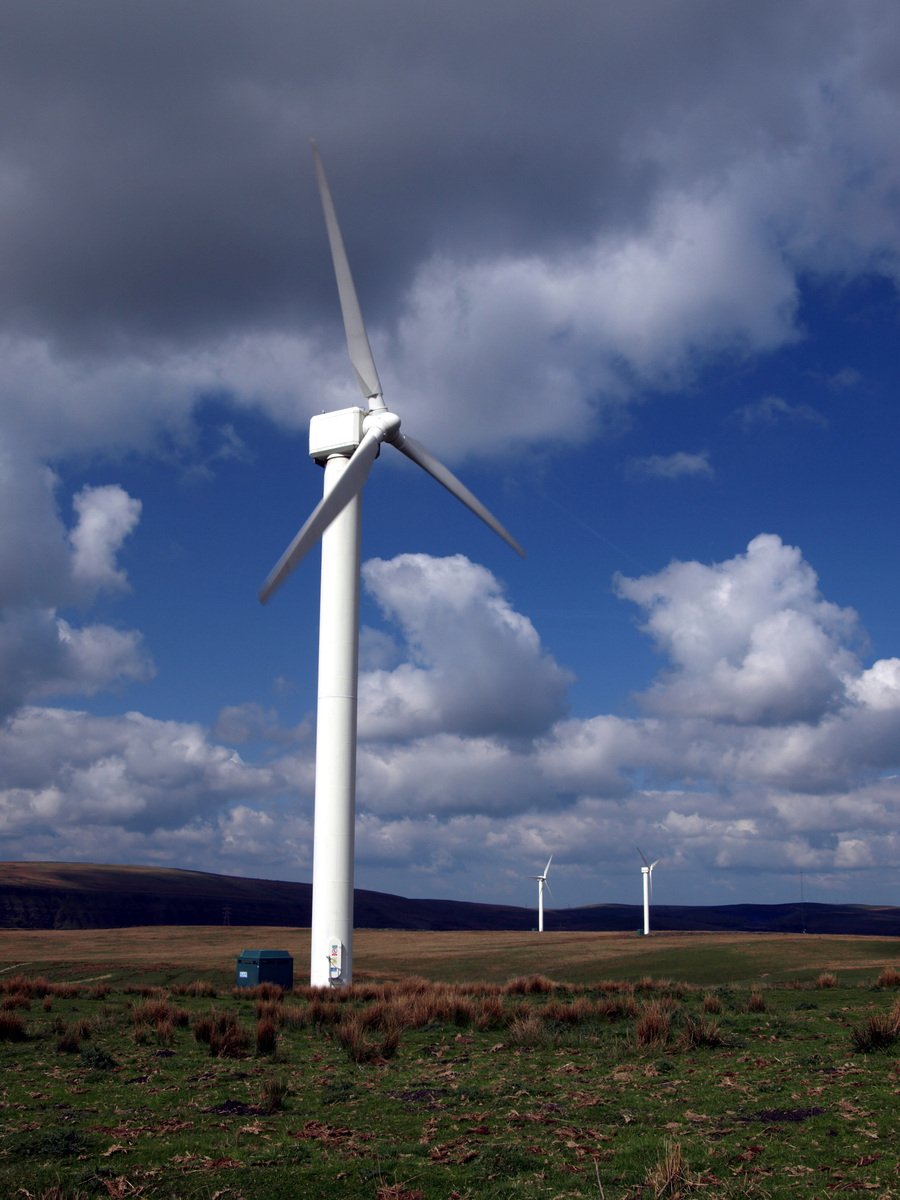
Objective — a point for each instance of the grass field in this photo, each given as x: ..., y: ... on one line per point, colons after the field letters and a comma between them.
x: 703, y: 958
x: 458, y: 1066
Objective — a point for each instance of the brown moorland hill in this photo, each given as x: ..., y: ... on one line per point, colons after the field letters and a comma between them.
x: 95, y: 896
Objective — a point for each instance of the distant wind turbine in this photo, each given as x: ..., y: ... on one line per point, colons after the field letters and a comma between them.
x: 542, y: 883
x: 346, y: 443
x: 647, y: 875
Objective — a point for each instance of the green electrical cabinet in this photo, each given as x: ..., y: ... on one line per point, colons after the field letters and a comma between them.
x: 265, y: 966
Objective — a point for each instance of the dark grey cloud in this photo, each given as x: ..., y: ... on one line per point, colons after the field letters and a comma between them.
x: 154, y: 178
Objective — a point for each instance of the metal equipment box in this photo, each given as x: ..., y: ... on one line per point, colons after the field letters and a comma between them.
x: 265, y: 966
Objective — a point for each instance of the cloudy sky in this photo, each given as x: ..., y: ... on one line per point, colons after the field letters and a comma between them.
x: 631, y: 270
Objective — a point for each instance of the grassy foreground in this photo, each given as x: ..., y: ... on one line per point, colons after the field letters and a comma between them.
x: 131, y: 1068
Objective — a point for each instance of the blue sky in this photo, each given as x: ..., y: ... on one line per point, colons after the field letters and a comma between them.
x: 631, y: 271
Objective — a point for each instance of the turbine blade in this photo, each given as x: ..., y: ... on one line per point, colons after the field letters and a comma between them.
x: 423, y: 458
x: 329, y: 507
x: 643, y: 856
x: 357, y: 339
x: 547, y: 868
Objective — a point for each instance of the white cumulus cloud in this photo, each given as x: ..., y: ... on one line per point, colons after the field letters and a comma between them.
x: 751, y: 640
x: 474, y: 664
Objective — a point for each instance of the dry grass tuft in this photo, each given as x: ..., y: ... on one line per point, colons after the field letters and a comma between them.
x: 572, y: 1012
x: 15, y: 1000
x: 669, y: 1177
x: 352, y: 1033
x: 12, y: 1028
x: 711, y: 1003
x: 165, y: 1033
x: 527, y: 1029
x: 292, y: 1016
x: 880, y: 1032
x: 827, y: 980
x: 266, y: 1036
x: 37, y: 988
x: 325, y: 1009
x: 273, y: 993
x: 529, y: 985
x: 757, y: 1001
x: 609, y: 1008
x: 223, y: 1034
x: 654, y: 1024
x: 701, y: 1031
x: 200, y: 988
x: 272, y: 1095
x: 68, y: 1041
x: 889, y: 978
x: 489, y: 1013
x: 147, y: 992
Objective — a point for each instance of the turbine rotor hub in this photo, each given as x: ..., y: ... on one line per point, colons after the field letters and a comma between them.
x: 384, y: 424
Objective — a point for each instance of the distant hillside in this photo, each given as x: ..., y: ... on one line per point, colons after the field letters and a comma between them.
x: 88, y: 896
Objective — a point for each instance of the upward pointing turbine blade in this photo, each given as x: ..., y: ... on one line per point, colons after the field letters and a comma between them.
x: 547, y: 868
x: 354, y: 327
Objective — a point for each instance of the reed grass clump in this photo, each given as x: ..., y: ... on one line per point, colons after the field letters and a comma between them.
x: 37, y: 987
x: 324, y: 1009
x: 827, y: 980
x: 880, y: 1032
x: 15, y: 1000
x: 158, y: 1012
x: 889, y: 978
x: 266, y: 1037
x: 68, y: 1041
x: 292, y: 1016
x: 353, y: 1035
x: 224, y: 1035
x: 12, y: 1028
x: 527, y: 1028
x: 272, y: 1095
x: 199, y: 989
x: 529, y: 985
x: 654, y: 1024
x: 700, y: 1032
x: 572, y: 1012
x: 757, y: 1001
x: 165, y: 1033
x: 489, y: 1013
x: 668, y: 1178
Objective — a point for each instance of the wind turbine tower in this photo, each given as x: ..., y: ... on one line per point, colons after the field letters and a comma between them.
x: 345, y: 442
x: 542, y: 883
x: 647, y: 876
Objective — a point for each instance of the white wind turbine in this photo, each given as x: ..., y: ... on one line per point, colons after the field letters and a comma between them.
x: 647, y: 875
x: 542, y: 882
x: 346, y: 442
